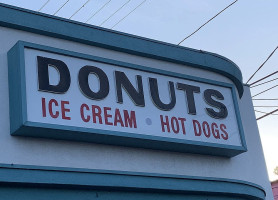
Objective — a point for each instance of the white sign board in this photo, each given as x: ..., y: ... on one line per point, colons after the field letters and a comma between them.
x: 95, y: 95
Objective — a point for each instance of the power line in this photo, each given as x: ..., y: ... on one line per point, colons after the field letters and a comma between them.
x: 262, y: 64
x: 265, y: 99
x: 44, y: 5
x: 128, y: 14
x: 263, y: 112
x: 98, y: 10
x: 79, y: 9
x: 264, y: 83
x: 115, y: 12
x: 267, y: 114
x: 264, y: 78
x: 265, y: 106
x: 265, y: 90
x: 207, y: 22
x: 61, y: 7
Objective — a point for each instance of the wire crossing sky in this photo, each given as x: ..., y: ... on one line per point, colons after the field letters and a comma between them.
x: 115, y: 12
x: 261, y: 66
x: 44, y: 5
x: 94, y: 14
x: 207, y: 22
x: 128, y: 14
x: 61, y: 7
x: 80, y: 8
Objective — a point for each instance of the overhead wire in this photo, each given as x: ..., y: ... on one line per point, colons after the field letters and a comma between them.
x: 99, y: 10
x: 265, y: 77
x: 270, y: 113
x: 44, y: 5
x: 61, y: 7
x: 79, y: 9
x: 274, y: 99
x: 265, y: 91
x: 262, y: 64
x: 265, y: 106
x: 263, y: 112
x: 264, y: 83
x: 115, y: 12
x: 128, y: 14
x: 207, y: 22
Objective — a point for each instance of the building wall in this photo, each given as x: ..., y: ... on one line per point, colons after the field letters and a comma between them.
x: 249, y: 166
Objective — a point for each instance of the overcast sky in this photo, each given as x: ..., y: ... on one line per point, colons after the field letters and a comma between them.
x: 246, y: 33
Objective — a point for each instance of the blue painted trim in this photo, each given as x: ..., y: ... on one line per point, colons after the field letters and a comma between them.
x: 238, y: 116
x: 34, y: 22
x: 22, y: 127
x: 74, y: 178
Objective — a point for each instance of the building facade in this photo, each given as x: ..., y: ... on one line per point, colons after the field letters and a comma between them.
x: 91, y: 113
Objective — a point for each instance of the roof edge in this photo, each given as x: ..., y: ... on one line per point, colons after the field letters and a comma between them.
x: 69, y: 178
x: 44, y: 24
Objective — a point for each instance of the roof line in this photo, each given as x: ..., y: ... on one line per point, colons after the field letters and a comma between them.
x: 44, y: 24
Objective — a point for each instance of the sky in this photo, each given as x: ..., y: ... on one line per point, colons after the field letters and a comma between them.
x: 246, y: 33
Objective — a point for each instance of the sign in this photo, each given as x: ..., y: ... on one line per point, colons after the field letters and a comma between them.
x: 67, y: 95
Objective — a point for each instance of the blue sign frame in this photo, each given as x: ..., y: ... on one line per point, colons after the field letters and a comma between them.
x: 19, y: 125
